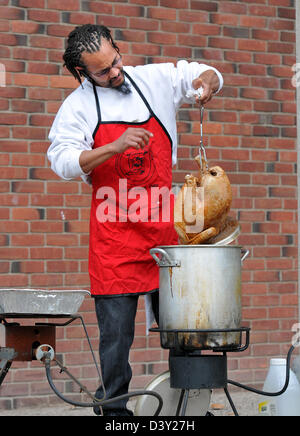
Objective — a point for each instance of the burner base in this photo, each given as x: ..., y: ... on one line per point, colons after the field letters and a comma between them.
x: 197, y: 371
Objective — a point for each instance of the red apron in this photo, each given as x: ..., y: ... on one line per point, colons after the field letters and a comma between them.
x: 132, y: 209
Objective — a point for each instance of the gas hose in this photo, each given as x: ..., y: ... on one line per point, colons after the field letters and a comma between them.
x: 47, y: 362
x: 270, y: 394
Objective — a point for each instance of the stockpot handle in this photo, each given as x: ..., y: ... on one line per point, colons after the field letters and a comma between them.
x: 165, y: 258
x: 244, y: 253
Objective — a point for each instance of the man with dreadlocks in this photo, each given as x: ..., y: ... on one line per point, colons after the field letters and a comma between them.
x: 117, y: 131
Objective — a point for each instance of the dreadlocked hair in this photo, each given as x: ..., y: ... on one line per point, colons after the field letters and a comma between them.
x: 84, y: 38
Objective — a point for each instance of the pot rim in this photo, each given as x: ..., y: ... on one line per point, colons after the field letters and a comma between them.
x: 199, y: 246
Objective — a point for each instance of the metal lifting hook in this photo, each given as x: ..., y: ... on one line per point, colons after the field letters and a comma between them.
x: 202, y: 152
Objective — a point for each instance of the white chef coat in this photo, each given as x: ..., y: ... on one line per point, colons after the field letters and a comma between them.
x: 163, y: 85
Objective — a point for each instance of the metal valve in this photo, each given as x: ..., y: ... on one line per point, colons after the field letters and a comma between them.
x: 42, y: 351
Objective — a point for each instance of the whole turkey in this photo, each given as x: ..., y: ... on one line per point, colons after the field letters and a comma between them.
x: 202, y: 205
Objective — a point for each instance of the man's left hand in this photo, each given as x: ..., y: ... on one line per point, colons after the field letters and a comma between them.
x: 210, y: 84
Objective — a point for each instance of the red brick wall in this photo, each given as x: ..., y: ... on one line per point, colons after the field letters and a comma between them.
x: 249, y: 130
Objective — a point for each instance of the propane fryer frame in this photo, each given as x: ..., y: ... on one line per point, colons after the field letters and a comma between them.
x: 9, y: 354
x: 189, y: 369
x: 27, y: 350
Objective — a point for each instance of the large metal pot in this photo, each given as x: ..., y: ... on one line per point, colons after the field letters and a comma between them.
x: 200, y: 289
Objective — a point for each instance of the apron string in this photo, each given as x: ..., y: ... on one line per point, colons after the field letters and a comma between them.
x: 140, y: 93
x: 136, y: 88
x: 97, y: 104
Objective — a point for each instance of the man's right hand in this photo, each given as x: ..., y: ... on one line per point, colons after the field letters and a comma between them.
x: 132, y: 137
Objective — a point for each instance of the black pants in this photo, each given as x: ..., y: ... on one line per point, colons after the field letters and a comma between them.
x: 116, y: 320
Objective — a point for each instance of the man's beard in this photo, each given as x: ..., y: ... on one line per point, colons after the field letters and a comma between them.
x: 125, y: 88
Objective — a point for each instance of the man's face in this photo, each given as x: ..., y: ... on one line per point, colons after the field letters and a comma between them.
x: 104, y: 66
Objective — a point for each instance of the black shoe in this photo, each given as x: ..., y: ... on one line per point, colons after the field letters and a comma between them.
x: 117, y: 412
x: 113, y: 412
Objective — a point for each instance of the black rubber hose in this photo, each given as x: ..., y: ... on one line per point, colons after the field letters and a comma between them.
x: 154, y: 394
x: 102, y: 402
x: 270, y: 394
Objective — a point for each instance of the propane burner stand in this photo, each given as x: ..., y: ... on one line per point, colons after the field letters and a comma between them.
x: 190, y: 369
x: 37, y: 342
x: 22, y: 342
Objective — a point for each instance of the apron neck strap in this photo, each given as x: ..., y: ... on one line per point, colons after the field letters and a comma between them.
x: 136, y: 88
x: 139, y: 92
x: 97, y: 103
